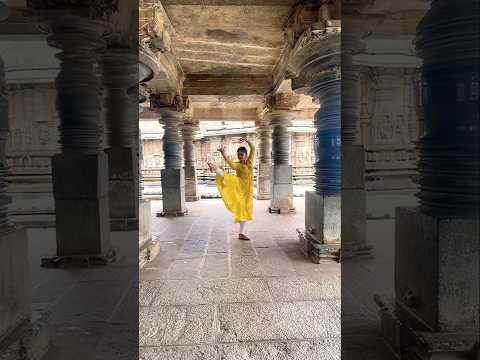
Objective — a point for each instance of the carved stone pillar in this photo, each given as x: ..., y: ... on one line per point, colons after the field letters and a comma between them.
x: 14, y: 260
x: 264, y: 191
x: 120, y: 75
x: 437, y: 244
x: 316, y: 72
x: 80, y: 172
x: 280, y: 117
x: 188, y: 132
x: 170, y: 109
x: 354, y: 209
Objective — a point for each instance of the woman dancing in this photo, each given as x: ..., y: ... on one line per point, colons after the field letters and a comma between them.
x: 237, y: 190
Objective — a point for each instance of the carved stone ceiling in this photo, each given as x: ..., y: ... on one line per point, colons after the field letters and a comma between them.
x: 227, y: 47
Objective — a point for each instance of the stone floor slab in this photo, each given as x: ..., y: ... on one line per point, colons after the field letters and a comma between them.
x: 279, y: 321
x: 177, y: 325
x: 179, y: 353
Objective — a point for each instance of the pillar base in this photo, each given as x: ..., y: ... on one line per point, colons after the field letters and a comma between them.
x: 409, y: 344
x: 317, y: 252
x: 173, y: 192
x: 15, y: 290
x: 282, y: 190
x: 435, y: 311
x: 70, y: 261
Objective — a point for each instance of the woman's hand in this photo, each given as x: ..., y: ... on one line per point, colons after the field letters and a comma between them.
x: 245, y: 140
x: 221, y: 148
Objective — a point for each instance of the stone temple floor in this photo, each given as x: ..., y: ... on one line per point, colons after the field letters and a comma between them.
x: 209, y: 296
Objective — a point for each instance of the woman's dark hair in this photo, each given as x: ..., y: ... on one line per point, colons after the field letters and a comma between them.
x: 242, y: 149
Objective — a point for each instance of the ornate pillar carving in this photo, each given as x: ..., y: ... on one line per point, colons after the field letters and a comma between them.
x: 188, y: 133
x: 436, y: 244
x: 80, y: 172
x: 171, y: 110
x: 119, y: 68
x: 314, y: 67
x: 264, y: 132
x: 280, y: 117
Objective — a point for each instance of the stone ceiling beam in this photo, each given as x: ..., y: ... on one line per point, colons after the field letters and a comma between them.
x: 226, y: 85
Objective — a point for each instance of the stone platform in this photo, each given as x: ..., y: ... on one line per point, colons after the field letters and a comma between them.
x: 208, y: 295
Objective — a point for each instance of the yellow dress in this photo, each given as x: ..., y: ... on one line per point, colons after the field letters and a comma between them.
x: 237, y: 190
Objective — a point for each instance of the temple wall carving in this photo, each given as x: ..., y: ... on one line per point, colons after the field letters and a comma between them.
x: 301, y: 156
x: 389, y: 127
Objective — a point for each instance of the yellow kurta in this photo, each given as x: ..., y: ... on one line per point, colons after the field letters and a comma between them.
x: 237, y: 190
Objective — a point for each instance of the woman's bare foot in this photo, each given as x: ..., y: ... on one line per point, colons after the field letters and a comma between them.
x: 243, y: 237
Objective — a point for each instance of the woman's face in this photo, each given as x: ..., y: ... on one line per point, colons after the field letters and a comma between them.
x: 241, y: 156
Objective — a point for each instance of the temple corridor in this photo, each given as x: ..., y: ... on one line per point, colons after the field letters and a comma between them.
x: 208, y: 294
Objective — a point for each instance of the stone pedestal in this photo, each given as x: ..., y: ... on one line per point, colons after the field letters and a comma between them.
x: 80, y: 186
x: 173, y: 192
x: 123, y: 191
x: 282, y: 189
x: 191, y: 184
x: 354, y: 209
x: 264, y: 186
x: 322, y: 226
x: 15, y: 295
x: 434, y: 259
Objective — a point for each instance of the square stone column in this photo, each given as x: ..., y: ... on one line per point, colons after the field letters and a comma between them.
x: 264, y: 185
x: 173, y: 192
x: 354, y: 208
x: 191, y: 193
x: 282, y: 189
x: 124, y: 187
x: 436, y: 285
x: 81, y: 187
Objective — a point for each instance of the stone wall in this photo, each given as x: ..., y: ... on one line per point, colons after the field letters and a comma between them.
x: 302, y: 155
x: 33, y: 140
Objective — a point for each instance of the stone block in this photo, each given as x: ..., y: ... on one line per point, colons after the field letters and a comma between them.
x: 264, y: 186
x: 123, y: 199
x: 436, y: 263
x: 353, y: 167
x: 173, y: 191
x: 15, y: 294
x: 172, y: 178
x: 354, y: 220
x: 79, y: 176
x: 323, y: 218
x: 190, y: 172
x: 122, y: 163
x: 282, y: 174
x: 144, y: 218
x: 83, y: 226
x: 282, y: 197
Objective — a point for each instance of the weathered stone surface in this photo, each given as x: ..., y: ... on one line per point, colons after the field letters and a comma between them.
x: 353, y: 166
x: 15, y: 292
x: 197, y: 292
x: 173, y: 191
x: 273, y: 321
x: 354, y: 219
x: 298, y: 350
x: 274, y: 262
x: 177, y: 325
x: 304, y: 288
x: 323, y: 217
x: 205, y: 352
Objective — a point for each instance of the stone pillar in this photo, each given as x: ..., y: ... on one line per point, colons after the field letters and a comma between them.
x: 281, y: 175
x: 188, y: 132
x: 173, y: 175
x: 437, y: 244
x: 354, y: 204
x: 264, y: 191
x: 120, y: 75
x: 14, y: 260
x: 316, y: 64
x: 80, y: 172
